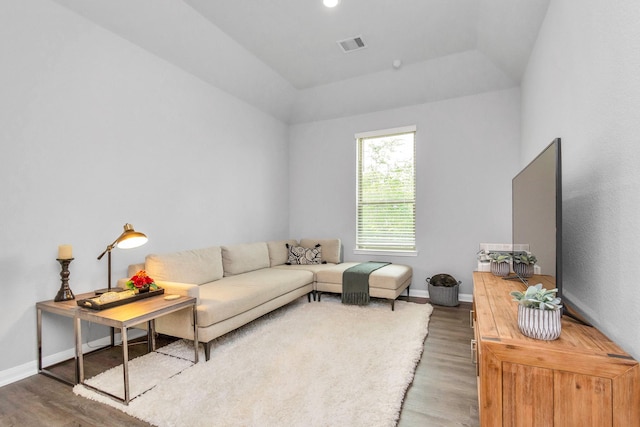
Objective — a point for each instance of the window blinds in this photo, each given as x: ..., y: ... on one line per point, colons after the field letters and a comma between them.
x: 386, y: 196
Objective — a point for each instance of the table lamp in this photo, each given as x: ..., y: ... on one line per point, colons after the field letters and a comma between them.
x: 127, y: 240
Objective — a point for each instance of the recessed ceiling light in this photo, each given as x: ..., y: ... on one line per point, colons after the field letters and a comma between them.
x: 331, y: 3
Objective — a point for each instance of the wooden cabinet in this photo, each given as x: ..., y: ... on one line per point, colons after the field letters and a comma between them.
x: 580, y: 379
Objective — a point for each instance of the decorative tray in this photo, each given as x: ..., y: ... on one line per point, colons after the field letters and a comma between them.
x: 109, y: 300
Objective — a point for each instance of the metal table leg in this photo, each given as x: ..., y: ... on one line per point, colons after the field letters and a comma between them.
x: 125, y: 363
x: 195, y: 333
x: 79, y: 356
x: 39, y: 333
x: 151, y: 335
x: 44, y: 369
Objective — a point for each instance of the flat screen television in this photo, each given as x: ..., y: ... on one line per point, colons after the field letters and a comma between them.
x: 537, y: 216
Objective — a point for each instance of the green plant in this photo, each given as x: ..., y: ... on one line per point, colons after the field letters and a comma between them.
x: 525, y: 258
x: 538, y: 297
x: 500, y: 257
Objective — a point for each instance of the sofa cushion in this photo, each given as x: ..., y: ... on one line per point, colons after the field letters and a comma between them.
x: 314, y: 268
x: 303, y: 256
x: 195, y: 266
x: 237, y: 259
x: 237, y: 294
x: 331, y: 248
x: 278, y: 252
x: 390, y: 276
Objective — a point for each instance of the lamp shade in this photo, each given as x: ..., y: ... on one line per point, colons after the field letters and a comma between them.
x: 130, y: 238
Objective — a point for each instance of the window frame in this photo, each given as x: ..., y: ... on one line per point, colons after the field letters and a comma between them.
x: 370, y: 249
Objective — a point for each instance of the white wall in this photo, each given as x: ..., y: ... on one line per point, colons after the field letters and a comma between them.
x: 96, y: 132
x: 583, y: 85
x: 467, y: 152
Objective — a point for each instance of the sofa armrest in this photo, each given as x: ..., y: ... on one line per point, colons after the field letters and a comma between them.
x: 185, y: 289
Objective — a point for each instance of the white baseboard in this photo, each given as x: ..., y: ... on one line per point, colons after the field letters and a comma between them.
x: 25, y: 370
x: 466, y: 297
x: 423, y: 293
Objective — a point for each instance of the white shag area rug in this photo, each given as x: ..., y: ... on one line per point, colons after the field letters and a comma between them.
x: 306, y: 364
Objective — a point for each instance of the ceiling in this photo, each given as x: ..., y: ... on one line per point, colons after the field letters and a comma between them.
x: 298, y: 38
x: 282, y: 56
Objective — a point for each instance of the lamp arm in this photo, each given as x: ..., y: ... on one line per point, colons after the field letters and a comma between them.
x: 113, y: 245
x: 109, y: 248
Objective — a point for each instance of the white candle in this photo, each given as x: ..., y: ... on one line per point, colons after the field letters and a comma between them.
x: 65, y: 252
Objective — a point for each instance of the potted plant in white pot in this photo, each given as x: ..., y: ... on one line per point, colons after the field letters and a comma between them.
x: 500, y: 265
x: 539, y: 312
x: 523, y: 264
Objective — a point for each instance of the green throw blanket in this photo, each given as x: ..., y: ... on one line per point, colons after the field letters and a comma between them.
x: 355, y: 282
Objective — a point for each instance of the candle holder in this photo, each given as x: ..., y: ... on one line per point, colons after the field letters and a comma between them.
x: 64, y: 294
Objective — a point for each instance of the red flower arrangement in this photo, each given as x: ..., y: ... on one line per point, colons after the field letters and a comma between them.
x: 140, y: 280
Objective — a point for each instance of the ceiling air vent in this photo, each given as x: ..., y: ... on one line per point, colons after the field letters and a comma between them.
x: 352, y: 44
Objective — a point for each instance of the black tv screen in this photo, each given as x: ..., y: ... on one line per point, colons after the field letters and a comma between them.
x: 537, y: 213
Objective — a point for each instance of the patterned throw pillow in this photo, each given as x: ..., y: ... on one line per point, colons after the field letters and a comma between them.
x: 299, y: 255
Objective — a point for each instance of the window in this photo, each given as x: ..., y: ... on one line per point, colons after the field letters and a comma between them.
x: 386, y: 196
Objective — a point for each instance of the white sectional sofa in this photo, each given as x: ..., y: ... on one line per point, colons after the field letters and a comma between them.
x: 239, y: 283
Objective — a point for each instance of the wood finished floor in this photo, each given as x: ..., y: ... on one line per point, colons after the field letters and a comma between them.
x: 443, y: 392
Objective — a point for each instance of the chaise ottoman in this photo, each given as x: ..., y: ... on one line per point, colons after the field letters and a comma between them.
x: 387, y: 282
